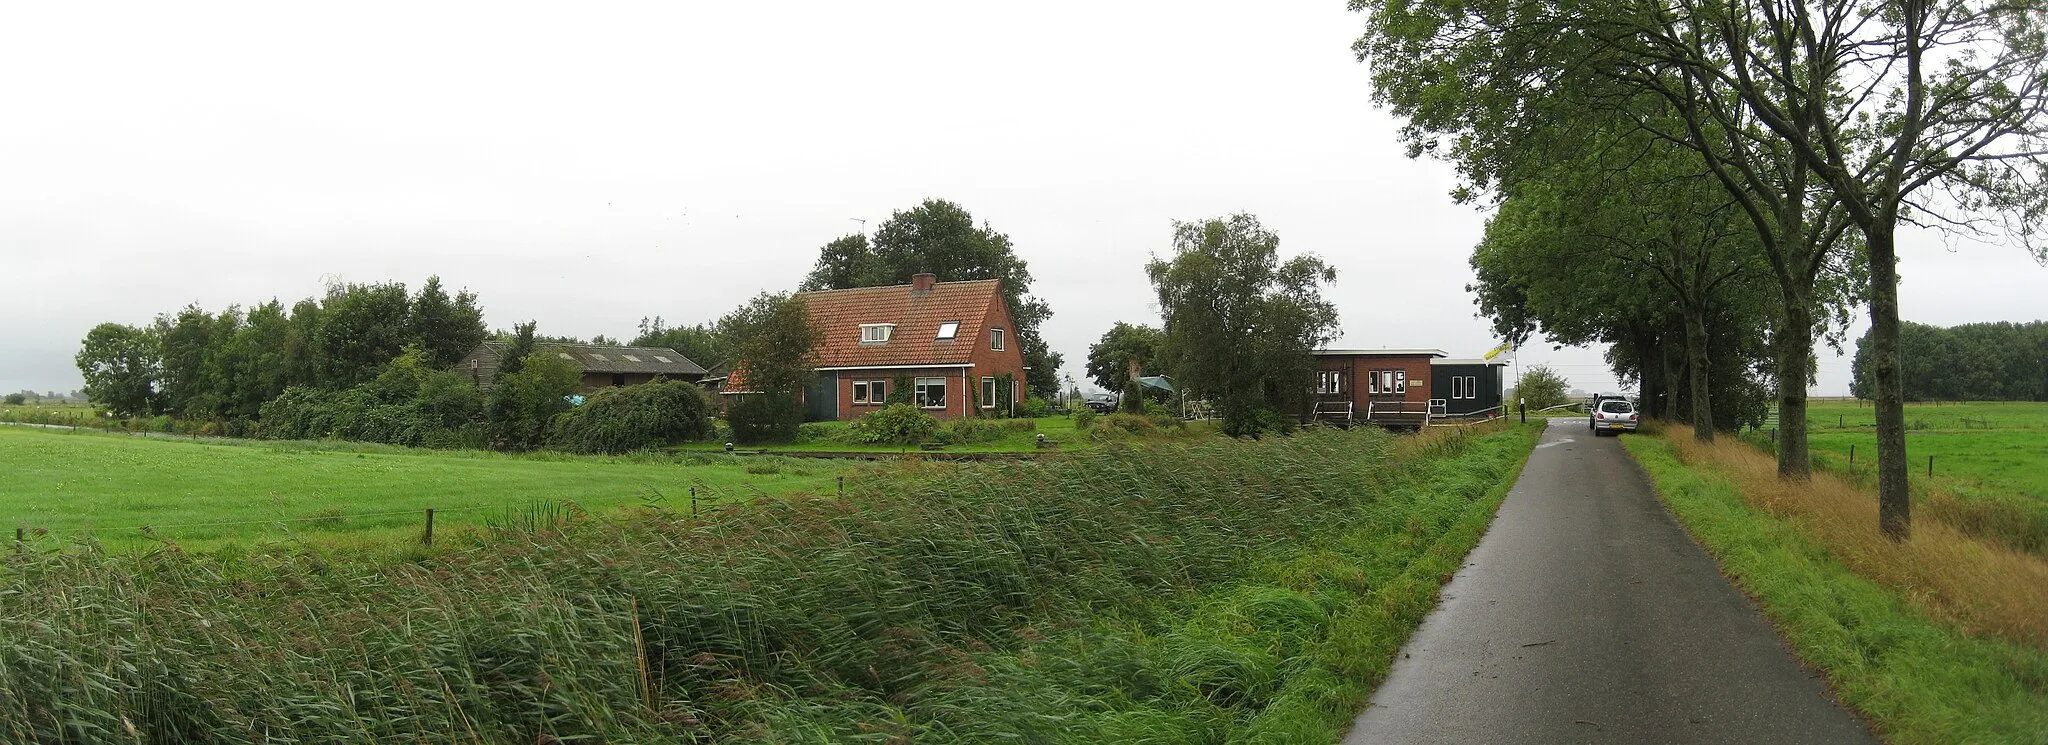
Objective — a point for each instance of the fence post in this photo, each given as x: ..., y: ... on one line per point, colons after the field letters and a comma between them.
x: 20, y: 539
x: 1930, y: 466
x: 1852, y: 455
x: 693, y: 501
x: 428, y: 540
x: 842, y: 487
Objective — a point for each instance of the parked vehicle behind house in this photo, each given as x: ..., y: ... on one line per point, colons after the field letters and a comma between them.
x: 1614, y: 415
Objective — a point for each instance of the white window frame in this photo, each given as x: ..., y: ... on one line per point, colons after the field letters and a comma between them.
x: 988, y: 392
x: 877, y: 333
x: 995, y: 339
x: 868, y: 398
x: 1329, y: 382
x: 1400, y: 381
x: 943, y: 325
x: 921, y: 385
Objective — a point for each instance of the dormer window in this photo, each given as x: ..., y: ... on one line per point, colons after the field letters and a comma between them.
x: 876, y: 333
x: 948, y: 330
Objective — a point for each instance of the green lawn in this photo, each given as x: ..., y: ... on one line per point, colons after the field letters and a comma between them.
x: 112, y: 485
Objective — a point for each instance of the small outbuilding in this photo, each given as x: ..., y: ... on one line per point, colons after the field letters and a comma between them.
x: 1467, y: 387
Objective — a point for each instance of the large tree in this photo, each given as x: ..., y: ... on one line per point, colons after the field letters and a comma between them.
x: 1242, y: 325
x: 121, y: 365
x: 1125, y: 352
x: 773, y: 336
x: 446, y: 328
x: 941, y: 237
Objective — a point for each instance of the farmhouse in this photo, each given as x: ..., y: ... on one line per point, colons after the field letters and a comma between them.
x: 1390, y: 387
x: 1466, y: 387
x: 602, y: 366
x: 949, y: 348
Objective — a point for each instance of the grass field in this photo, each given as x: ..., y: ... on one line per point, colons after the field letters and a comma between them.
x: 2001, y: 445
x: 1990, y: 462
x: 111, y: 485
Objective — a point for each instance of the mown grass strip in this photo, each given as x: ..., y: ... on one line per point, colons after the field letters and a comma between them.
x: 1920, y: 681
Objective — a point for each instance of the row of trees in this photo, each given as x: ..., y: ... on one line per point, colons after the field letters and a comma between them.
x: 1973, y: 362
x: 197, y: 364
x: 1240, y: 329
x: 1825, y: 126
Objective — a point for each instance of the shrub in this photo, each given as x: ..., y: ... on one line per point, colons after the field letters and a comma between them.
x: 1034, y: 407
x: 16, y: 399
x: 1084, y: 418
x: 895, y: 424
x: 986, y: 430
x: 618, y: 420
x: 765, y: 418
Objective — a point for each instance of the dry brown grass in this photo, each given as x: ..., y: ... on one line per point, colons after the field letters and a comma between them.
x: 1982, y: 587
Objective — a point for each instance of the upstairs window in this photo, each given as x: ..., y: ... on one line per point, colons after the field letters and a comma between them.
x: 876, y: 333
x: 949, y: 330
x: 995, y: 339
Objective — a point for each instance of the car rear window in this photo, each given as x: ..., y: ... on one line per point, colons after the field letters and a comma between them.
x: 1617, y: 407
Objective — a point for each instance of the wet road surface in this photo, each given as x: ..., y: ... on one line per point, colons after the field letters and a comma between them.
x: 1586, y: 615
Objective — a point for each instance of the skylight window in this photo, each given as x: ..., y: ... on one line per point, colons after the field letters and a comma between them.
x: 565, y: 355
x: 630, y: 358
x: 948, y: 330
x: 663, y: 359
x: 598, y: 357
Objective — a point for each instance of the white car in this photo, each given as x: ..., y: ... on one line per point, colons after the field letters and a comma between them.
x: 1614, y: 415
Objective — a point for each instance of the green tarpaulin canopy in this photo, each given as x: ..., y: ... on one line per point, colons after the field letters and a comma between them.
x: 1156, y: 381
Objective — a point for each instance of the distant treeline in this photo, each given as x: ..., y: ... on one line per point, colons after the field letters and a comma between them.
x: 371, y: 363
x: 196, y: 364
x: 2001, y: 361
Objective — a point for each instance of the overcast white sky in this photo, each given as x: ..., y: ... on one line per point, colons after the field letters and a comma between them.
x: 587, y: 165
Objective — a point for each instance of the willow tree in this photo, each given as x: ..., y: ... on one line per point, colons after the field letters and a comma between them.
x: 1241, y: 325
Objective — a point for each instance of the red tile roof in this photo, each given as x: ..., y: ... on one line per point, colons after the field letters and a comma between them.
x: 839, y: 314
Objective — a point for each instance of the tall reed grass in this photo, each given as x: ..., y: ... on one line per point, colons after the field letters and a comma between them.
x: 1087, y: 599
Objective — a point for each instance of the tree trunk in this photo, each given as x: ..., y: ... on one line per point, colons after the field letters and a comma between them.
x: 1795, y: 357
x: 1696, y: 358
x: 1894, y: 501
x: 1666, y: 405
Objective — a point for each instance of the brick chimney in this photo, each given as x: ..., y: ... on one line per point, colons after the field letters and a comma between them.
x: 921, y: 283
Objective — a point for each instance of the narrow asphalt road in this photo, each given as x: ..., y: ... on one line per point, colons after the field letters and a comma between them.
x: 1586, y: 615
